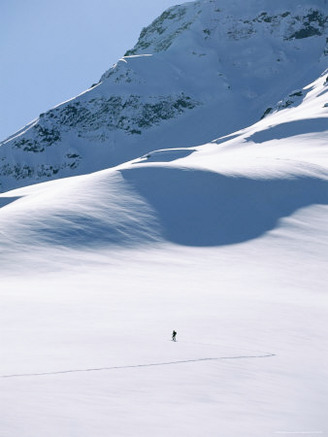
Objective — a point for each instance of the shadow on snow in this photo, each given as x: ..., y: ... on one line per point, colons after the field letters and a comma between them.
x: 198, y: 208
x: 290, y: 129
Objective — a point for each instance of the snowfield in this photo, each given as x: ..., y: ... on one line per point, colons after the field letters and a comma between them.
x: 232, y: 309
x: 225, y: 242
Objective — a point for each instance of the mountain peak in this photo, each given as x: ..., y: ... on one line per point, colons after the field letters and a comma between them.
x: 201, y: 70
x: 307, y: 18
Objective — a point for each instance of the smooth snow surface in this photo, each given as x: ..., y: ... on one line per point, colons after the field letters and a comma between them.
x: 225, y: 243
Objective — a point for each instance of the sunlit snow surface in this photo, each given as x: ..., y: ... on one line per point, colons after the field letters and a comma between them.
x: 226, y: 243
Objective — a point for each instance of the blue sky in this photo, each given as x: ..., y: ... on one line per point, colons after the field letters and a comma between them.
x: 51, y: 50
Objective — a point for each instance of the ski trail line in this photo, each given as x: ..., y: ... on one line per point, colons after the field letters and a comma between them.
x: 168, y: 363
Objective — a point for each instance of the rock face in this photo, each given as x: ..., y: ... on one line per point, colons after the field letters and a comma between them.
x: 201, y: 70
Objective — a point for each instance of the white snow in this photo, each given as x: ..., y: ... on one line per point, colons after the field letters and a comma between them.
x: 225, y: 242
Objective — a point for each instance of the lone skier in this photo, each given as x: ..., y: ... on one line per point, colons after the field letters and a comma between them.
x: 174, y: 335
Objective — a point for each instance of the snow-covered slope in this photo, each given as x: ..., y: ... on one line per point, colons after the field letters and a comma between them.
x: 228, y: 191
x: 224, y: 242
x: 201, y: 70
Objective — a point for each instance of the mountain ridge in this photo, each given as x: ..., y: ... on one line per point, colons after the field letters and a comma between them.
x: 208, y: 74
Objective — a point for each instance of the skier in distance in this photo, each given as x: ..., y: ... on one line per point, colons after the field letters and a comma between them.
x: 174, y: 335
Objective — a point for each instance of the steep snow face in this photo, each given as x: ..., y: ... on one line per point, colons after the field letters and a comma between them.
x: 201, y: 70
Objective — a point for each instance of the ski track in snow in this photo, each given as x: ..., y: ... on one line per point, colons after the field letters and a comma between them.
x: 168, y: 363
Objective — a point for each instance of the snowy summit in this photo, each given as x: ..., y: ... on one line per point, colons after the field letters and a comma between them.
x: 200, y: 71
